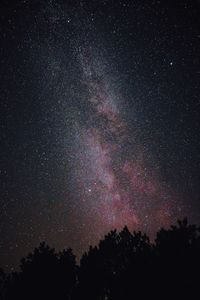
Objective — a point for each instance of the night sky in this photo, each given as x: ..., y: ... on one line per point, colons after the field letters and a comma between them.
x: 99, y: 120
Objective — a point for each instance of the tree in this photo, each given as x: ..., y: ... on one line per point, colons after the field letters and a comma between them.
x: 45, y: 275
x: 124, y: 265
x: 177, y: 259
x: 2, y: 284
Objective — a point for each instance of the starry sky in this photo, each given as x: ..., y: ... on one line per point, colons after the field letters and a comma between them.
x: 99, y: 120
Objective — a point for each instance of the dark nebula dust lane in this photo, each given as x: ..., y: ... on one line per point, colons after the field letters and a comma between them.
x: 99, y: 120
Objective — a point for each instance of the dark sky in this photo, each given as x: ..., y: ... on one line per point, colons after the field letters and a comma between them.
x: 100, y: 106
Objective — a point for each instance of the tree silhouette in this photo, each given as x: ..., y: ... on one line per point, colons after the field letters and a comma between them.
x: 45, y: 275
x: 107, y: 271
x: 177, y: 252
x: 124, y: 265
x: 2, y: 283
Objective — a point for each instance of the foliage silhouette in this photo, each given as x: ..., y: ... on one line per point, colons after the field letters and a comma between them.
x: 124, y: 265
x: 44, y: 275
x: 2, y: 283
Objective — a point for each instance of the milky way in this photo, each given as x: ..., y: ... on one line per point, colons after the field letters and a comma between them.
x: 115, y: 187
x: 99, y: 120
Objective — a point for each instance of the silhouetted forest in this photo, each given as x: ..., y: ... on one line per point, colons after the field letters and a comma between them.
x: 124, y: 265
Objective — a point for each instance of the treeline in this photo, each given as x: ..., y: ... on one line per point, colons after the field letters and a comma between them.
x: 123, y: 266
